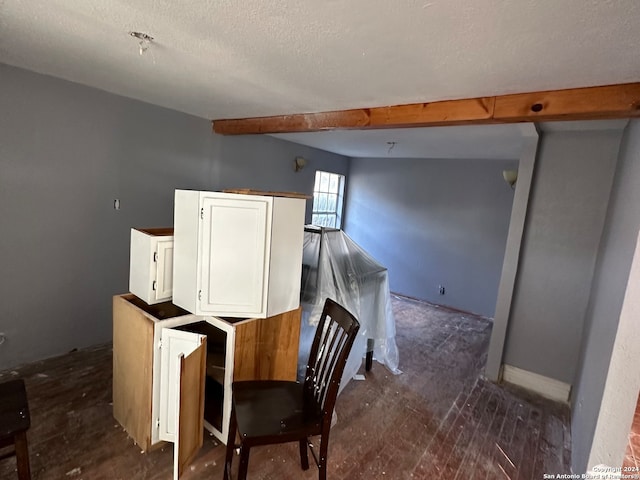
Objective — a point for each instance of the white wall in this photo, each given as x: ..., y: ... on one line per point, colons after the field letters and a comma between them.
x: 623, y: 380
x: 607, y: 294
x: 571, y: 187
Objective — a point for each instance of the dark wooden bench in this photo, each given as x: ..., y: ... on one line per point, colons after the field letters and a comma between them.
x: 14, y: 423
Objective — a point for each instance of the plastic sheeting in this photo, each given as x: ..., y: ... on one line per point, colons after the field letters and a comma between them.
x: 334, y: 266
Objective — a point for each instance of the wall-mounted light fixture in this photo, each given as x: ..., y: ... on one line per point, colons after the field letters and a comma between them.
x: 298, y: 164
x: 510, y: 176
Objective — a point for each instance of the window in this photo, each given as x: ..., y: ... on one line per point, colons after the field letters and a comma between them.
x: 328, y: 195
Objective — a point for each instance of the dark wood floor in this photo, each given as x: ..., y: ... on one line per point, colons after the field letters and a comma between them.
x: 436, y: 420
x: 632, y: 453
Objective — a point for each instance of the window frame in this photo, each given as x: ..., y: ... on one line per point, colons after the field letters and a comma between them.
x: 335, y: 186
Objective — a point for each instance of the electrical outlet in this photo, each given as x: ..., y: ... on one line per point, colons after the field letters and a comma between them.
x: 441, y: 289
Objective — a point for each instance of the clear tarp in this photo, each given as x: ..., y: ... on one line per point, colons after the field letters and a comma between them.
x: 334, y: 266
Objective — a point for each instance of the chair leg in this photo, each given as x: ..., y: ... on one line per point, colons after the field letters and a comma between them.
x: 322, y: 465
x: 244, y: 462
x: 231, y: 440
x: 304, y: 456
x: 22, y: 456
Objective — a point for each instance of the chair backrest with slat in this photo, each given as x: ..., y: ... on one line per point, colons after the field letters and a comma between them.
x: 332, y: 343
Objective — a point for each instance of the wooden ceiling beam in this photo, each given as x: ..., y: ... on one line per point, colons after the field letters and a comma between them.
x: 611, y: 101
x: 590, y: 103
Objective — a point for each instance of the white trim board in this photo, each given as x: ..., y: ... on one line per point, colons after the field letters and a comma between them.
x: 545, y: 386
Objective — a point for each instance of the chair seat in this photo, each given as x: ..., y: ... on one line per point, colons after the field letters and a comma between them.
x: 273, y: 411
x: 14, y: 409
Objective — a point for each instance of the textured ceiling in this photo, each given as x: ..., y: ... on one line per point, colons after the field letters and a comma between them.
x: 472, y: 141
x: 491, y: 142
x: 245, y: 58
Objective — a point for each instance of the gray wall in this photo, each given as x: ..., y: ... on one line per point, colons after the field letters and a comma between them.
x: 66, y: 151
x: 607, y: 293
x: 434, y: 222
x: 266, y: 163
x: 572, y: 183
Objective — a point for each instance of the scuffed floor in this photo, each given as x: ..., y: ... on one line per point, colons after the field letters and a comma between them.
x: 436, y: 420
x: 631, y: 462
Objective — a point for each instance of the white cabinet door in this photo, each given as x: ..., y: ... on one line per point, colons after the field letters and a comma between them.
x: 164, y: 270
x: 175, y: 343
x: 234, y: 248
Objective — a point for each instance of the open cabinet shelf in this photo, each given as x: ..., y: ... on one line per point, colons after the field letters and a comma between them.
x: 215, y: 372
x: 213, y: 403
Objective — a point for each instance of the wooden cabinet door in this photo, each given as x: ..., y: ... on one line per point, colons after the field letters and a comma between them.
x: 190, y: 430
x: 164, y: 270
x: 234, y: 248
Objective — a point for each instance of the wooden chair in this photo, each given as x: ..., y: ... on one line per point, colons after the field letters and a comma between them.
x: 14, y: 423
x: 272, y: 411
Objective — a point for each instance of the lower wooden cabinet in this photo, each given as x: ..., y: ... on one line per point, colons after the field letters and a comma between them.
x: 172, y: 371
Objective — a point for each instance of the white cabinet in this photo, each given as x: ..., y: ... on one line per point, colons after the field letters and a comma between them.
x: 237, y: 255
x: 172, y: 371
x: 151, y: 264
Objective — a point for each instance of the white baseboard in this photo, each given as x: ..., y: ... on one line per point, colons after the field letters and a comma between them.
x: 545, y: 386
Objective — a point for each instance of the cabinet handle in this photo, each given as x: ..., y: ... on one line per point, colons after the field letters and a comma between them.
x: 155, y: 257
x: 202, y: 214
x: 199, y: 295
x: 153, y: 285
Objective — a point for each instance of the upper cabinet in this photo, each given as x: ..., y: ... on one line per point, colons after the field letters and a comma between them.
x: 237, y: 255
x: 151, y: 264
